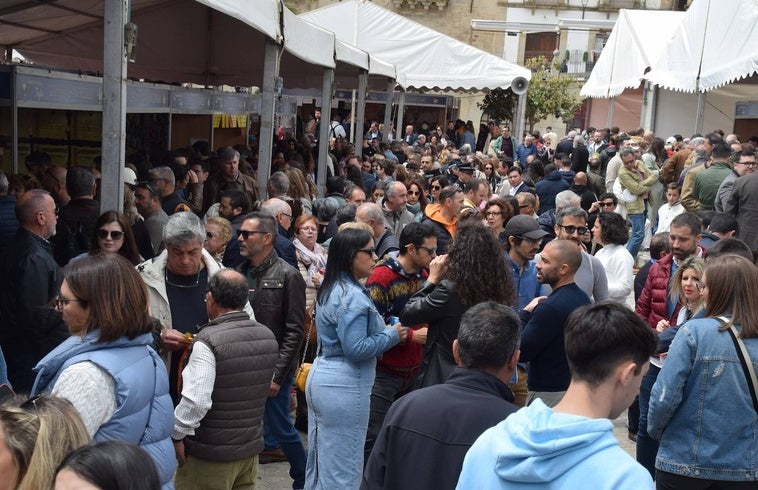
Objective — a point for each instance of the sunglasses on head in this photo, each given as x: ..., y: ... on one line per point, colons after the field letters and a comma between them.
x: 115, y: 235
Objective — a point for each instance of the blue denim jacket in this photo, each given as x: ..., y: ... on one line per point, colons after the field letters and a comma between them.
x: 349, y: 325
x: 526, y: 283
x: 701, y: 409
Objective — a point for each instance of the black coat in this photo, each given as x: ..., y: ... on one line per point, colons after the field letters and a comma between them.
x: 29, y: 326
x: 433, y: 428
x: 438, y: 306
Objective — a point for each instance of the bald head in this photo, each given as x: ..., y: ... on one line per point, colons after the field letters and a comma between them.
x: 36, y: 213
x: 566, y: 252
x: 580, y: 178
x: 229, y: 290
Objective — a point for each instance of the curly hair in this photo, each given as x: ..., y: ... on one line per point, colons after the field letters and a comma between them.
x: 476, y: 264
x: 613, y: 228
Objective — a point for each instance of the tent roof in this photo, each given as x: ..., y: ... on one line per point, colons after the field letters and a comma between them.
x: 635, y: 44
x: 715, y: 43
x: 426, y: 58
x: 217, y: 41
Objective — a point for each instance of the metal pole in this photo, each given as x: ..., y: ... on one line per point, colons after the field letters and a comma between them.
x: 351, y: 136
x: 268, y: 101
x: 521, y: 116
x: 386, y: 136
x: 114, y: 105
x: 14, y: 120
x: 359, y: 112
x: 611, y: 103
x: 700, y: 116
x: 400, y: 130
x: 326, y: 126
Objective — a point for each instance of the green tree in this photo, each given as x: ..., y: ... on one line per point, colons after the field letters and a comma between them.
x: 549, y: 93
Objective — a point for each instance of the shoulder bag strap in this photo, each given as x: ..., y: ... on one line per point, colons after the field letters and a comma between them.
x: 747, y: 365
x: 152, y: 402
x: 308, y: 334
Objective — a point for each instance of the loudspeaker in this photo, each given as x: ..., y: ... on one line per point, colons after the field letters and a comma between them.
x: 519, y: 85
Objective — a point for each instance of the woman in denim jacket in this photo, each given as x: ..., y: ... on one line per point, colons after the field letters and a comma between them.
x: 351, y: 335
x: 700, y: 406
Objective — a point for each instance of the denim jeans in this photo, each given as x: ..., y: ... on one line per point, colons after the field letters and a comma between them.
x: 638, y: 233
x: 647, y: 447
x: 387, y: 388
x: 278, y: 425
x: 339, y: 393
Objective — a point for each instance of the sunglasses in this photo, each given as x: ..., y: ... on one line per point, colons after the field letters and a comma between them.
x: 414, y: 193
x: 114, y: 235
x: 436, y: 188
x: 369, y: 251
x: 607, y: 204
x: 575, y: 229
x: 245, y: 234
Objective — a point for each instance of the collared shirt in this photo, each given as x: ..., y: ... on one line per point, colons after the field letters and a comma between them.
x: 198, y: 380
x: 525, y: 280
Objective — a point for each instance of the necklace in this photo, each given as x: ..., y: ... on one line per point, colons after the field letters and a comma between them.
x: 186, y: 286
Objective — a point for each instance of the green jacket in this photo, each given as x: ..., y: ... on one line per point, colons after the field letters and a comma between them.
x: 632, y: 181
x: 708, y: 181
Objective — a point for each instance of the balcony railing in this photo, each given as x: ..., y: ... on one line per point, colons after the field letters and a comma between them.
x: 420, y: 4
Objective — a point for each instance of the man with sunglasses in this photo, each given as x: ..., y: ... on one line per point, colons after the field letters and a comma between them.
x: 571, y: 225
x: 277, y: 295
x: 29, y: 279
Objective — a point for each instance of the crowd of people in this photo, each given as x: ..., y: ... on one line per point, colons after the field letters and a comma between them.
x: 479, y: 304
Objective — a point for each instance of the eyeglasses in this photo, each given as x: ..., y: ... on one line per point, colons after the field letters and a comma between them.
x: 700, y: 285
x: 570, y: 229
x: 429, y: 250
x: 115, y: 235
x: 748, y: 164
x: 436, y: 188
x: 414, y: 193
x: 55, y: 211
x: 493, y: 213
x: 369, y: 251
x: 60, y: 301
x: 607, y: 204
x: 289, y: 216
x: 245, y: 234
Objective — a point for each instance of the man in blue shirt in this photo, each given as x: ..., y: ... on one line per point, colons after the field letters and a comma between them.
x: 522, y: 238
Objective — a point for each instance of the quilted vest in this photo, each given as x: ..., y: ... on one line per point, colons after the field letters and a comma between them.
x: 246, y: 353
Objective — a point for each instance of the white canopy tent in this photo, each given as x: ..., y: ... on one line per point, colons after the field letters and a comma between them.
x: 427, y: 59
x: 715, y: 44
x: 233, y: 42
x: 635, y: 44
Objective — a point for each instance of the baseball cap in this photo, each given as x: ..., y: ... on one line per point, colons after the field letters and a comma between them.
x: 670, y: 140
x: 129, y: 176
x: 524, y: 226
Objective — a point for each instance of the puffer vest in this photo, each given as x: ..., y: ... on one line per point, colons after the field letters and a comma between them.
x: 246, y: 353
x: 144, y: 413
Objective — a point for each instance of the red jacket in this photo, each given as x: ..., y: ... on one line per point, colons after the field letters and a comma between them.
x: 652, y: 305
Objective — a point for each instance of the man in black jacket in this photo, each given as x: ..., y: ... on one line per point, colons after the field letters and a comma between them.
x: 277, y: 295
x: 434, y: 427
x: 29, y: 279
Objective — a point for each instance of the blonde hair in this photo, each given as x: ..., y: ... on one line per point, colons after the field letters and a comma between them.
x: 691, y: 263
x: 40, y: 432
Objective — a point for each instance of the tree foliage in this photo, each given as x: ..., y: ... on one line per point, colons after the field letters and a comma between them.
x: 550, y: 93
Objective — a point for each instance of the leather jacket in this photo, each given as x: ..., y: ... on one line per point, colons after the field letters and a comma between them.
x: 439, y: 306
x: 277, y: 295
